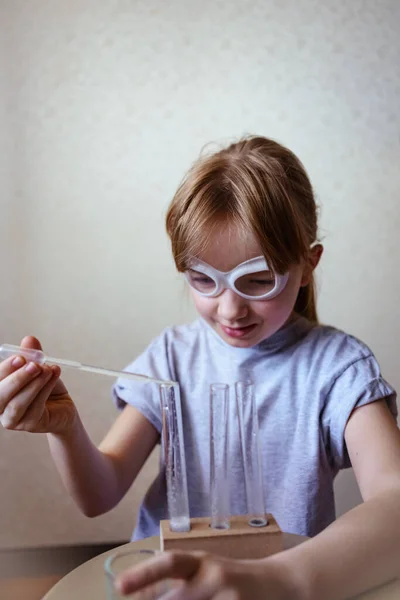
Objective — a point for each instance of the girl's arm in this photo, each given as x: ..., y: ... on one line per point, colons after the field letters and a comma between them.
x: 357, y: 552
x: 34, y: 399
x: 361, y: 549
x: 97, y: 478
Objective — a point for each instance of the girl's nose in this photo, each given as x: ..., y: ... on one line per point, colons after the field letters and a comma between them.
x: 231, y: 306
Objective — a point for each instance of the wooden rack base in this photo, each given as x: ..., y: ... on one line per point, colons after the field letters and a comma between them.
x: 241, y: 541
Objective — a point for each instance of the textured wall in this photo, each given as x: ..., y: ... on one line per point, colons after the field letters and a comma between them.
x: 103, y: 106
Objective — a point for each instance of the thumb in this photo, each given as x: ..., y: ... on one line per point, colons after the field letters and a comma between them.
x: 31, y: 342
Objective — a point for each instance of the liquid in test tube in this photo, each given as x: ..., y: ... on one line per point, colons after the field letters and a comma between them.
x: 174, y: 458
x: 250, y: 443
x: 219, y: 480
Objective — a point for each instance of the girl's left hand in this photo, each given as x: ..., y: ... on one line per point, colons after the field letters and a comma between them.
x: 207, y: 577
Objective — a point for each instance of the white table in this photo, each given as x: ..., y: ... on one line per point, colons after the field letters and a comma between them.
x: 87, y: 581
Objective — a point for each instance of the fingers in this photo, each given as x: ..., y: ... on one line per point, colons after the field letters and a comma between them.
x: 167, y: 565
x: 25, y: 387
x: 15, y: 362
x: 209, y: 582
x: 33, y: 415
x: 205, y: 578
x: 16, y: 380
x: 20, y: 390
x: 10, y: 365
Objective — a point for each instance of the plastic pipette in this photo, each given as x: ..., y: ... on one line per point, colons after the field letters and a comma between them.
x: 37, y: 356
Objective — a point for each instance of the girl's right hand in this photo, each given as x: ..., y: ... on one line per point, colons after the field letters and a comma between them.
x: 32, y: 397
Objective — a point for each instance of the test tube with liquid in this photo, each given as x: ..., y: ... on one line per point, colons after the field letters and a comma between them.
x: 249, y: 438
x: 219, y: 428
x: 174, y: 458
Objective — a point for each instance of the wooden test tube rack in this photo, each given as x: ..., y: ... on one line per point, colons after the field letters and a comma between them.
x: 240, y: 541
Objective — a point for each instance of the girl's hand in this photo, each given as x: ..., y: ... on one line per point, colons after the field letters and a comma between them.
x: 207, y: 577
x: 32, y: 397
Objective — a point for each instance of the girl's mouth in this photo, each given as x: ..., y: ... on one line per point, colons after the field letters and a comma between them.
x: 237, y: 332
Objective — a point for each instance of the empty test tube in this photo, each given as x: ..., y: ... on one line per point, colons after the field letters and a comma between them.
x: 249, y: 438
x: 219, y: 483
x: 174, y: 457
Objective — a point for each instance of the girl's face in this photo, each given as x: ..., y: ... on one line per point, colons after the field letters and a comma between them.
x: 240, y: 322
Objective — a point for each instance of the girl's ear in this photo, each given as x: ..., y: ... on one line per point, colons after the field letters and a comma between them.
x: 313, y: 260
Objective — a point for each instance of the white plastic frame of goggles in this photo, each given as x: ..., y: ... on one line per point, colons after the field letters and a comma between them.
x: 226, y: 279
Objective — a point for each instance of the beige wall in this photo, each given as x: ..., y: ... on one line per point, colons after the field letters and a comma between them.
x: 103, y: 105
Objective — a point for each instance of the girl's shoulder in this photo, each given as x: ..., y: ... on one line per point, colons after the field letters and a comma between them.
x: 332, y: 342
x: 175, y: 343
x: 342, y: 366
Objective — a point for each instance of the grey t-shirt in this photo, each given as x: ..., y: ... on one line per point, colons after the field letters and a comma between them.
x: 308, y: 379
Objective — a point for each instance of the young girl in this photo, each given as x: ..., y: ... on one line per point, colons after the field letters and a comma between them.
x: 243, y: 228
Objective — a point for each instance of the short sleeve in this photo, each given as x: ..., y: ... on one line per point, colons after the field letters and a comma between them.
x: 144, y: 396
x: 359, y: 384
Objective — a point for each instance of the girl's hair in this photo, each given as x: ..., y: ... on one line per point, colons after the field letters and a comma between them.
x: 258, y: 185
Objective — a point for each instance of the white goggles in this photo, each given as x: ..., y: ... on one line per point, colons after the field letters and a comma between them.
x: 251, y: 279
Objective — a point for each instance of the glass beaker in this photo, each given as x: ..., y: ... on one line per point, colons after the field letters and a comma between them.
x: 121, y: 561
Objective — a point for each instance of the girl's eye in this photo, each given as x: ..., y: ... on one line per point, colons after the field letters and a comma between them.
x: 202, y: 280
x: 262, y: 281
x: 256, y: 284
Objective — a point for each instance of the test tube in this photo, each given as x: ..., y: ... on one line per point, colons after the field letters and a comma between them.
x: 219, y: 427
x: 174, y: 457
x: 249, y: 438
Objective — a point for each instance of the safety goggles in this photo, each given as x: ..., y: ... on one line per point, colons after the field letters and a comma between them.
x: 251, y: 279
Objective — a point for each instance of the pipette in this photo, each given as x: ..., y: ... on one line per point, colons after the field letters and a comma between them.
x: 37, y: 356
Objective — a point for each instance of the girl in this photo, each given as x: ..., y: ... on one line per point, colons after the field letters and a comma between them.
x: 243, y: 228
